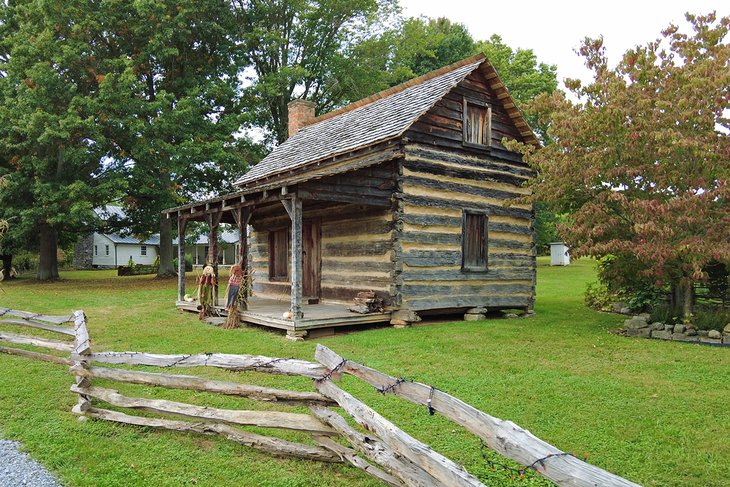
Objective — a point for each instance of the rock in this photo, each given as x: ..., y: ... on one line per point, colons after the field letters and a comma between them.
x: 691, y: 332
x: 469, y: 317
x: 625, y: 311
x: 635, y: 323
x: 661, y: 334
x: 645, y: 316
x: 726, y: 330
x: 714, y: 334
x: 657, y: 326
x: 710, y: 340
x: 669, y: 328
x: 511, y: 315
x: 679, y: 328
x: 639, y: 332
x: 703, y: 333
x: 726, y: 339
x: 619, y: 307
x: 683, y: 337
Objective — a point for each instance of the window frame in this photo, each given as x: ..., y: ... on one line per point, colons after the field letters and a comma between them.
x: 143, y: 250
x: 96, y: 250
x: 468, y: 101
x: 106, y: 249
x: 465, y: 213
x: 272, y: 254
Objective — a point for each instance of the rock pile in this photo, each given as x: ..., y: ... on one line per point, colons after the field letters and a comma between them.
x: 640, y: 326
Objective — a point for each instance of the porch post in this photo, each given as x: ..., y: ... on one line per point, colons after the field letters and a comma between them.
x: 181, y: 225
x: 242, y: 215
x: 294, y: 208
x: 213, y: 220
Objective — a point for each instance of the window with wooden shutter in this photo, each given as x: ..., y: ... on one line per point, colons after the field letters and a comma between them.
x: 474, y: 241
x: 279, y: 254
x: 477, y: 123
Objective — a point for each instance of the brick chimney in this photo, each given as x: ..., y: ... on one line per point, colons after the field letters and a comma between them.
x: 300, y: 112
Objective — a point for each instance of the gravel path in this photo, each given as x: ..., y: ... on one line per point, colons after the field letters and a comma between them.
x: 18, y: 469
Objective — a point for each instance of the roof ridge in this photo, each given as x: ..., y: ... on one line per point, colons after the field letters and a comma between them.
x: 396, y: 89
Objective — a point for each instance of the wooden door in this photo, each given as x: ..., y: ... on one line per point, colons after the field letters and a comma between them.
x: 311, y: 260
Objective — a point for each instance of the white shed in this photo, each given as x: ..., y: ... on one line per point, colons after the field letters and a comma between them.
x: 559, y: 254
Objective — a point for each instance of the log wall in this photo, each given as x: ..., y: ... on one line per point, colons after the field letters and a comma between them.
x: 438, y: 179
x: 356, y: 235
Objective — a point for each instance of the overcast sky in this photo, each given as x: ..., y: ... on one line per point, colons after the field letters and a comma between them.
x: 553, y: 29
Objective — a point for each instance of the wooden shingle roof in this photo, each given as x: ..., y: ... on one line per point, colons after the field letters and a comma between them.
x: 378, y: 118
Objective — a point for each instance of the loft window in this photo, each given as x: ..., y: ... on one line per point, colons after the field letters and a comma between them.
x: 474, y: 241
x: 279, y: 254
x: 143, y: 250
x: 477, y: 123
x: 96, y: 250
x: 106, y: 249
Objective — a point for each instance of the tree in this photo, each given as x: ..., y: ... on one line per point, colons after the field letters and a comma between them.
x: 52, y: 130
x: 523, y: 75
x: 423, y: 44
x: 641, y: 161
x: 299, y: 48
x: 176, y: 132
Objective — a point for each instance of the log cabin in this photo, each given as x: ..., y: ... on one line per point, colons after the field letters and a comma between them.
x: 401, y: 194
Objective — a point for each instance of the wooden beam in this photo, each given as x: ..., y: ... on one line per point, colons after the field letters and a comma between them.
x: 193, y: 383
x: 504, y: 437
x: 66, y: 330
x: 181, y: 226
x: 264, y: 419
x: 374, y: 449
x: 259, y: 363
x: 273, y: 446
x: 213, y: 220
x: 36, y: 355
x: 293, y: 207
x: 38, y: 342
x: 351, y: 456
x: 441, y: 468
x: 58, y: 320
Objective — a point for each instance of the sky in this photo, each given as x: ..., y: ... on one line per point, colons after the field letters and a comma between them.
x: 554, y: 29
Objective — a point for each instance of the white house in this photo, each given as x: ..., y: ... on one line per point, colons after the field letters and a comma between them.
x: 228, y: 252
x: 111, y: 250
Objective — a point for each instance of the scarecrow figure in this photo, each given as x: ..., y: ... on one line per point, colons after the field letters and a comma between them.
x: 205, y: 292
x: 238, y: 292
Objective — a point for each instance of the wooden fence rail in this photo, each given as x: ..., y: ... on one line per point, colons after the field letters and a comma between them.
x: 380, y: 449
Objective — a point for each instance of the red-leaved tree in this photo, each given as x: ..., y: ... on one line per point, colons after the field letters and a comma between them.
x: 642, y: 161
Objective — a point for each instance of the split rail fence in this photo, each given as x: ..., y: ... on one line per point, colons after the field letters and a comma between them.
x: 381, y: 449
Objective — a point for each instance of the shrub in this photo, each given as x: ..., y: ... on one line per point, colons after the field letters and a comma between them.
x: 25, y: 261
x: 665, y: 313
x: 597, y: 296
x: 711, y: 319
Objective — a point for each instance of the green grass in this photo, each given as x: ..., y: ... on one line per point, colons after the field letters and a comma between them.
x: 655, y: 412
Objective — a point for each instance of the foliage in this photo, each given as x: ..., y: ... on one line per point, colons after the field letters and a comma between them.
x: 640, y: 163
x: 525, y: 78
x: 304, y: 49
x: 53, y: 125
x: 665, y: 313
x: 25, y: 261
x: 422, y: 44
x: 603, y: 373
x: 599, y: 297
x: 546, y: 227
x: 711, y: 318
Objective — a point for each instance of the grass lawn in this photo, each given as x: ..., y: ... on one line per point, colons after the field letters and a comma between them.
x: 655, y: 412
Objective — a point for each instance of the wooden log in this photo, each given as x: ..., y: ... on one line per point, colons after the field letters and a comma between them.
x: 351, y: 456
x: 438, y: 466
x: 266, y: 419
x: 273, y: 446
x: 82, y: 344
x: 38, y: 342
x: 181, y: 226
x: 200, y: 384
x: 374, y: 449
x: 66, y: 330
x: 58, y: 320
x: 257, y: 363
x: 36, y: 355
x: 505, y: 437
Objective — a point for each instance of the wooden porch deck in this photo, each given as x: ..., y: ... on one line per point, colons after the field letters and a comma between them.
x: 269, y: 312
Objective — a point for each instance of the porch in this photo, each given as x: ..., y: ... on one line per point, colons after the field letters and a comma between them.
x: 321, y: 316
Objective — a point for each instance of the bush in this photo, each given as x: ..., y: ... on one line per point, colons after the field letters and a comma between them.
x: 25, y: 261
x: 711, y: 319
x: 597, y: 296
x: 188, y: 263
x: 665, y: 313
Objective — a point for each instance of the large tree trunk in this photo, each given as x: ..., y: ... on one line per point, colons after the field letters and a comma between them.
x: 7, y: 265
x: 48, y: 264
x: 683, y: 294
x: 166, y: 268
